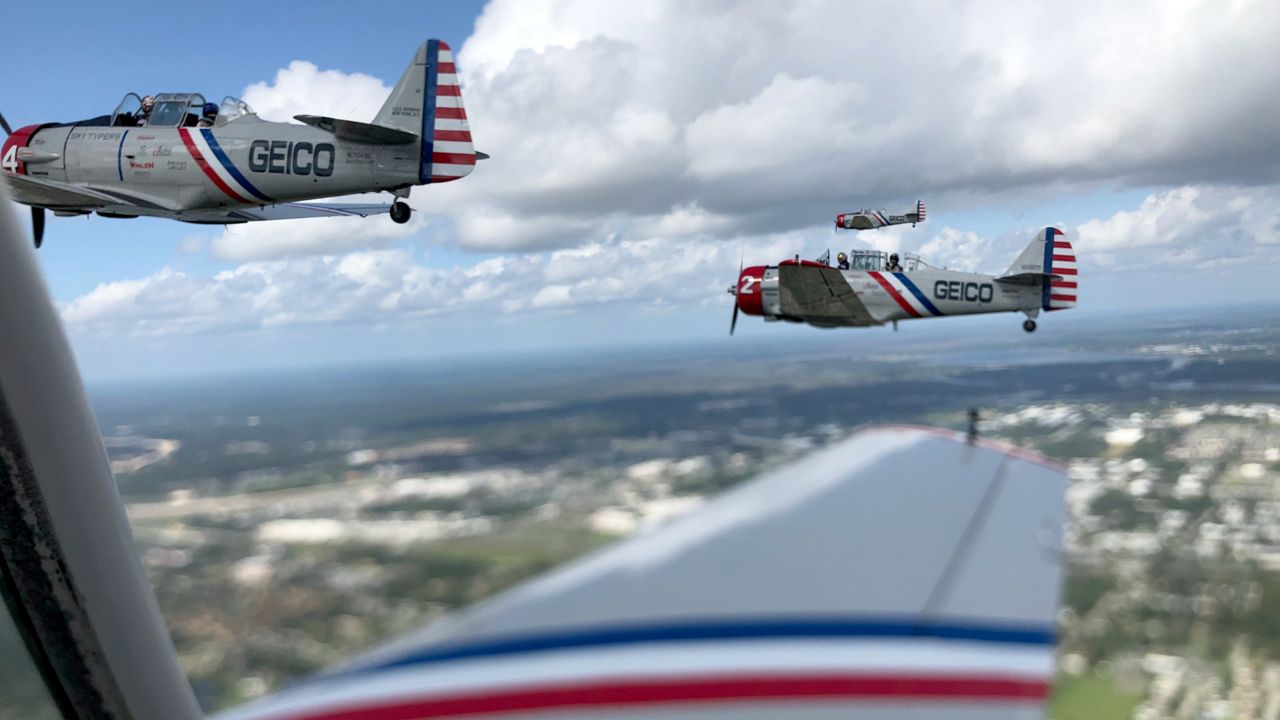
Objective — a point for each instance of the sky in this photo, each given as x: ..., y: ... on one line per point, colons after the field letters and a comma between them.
x: 640, y: 151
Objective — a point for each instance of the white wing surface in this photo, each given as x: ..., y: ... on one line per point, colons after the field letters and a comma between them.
x: 902, y: 573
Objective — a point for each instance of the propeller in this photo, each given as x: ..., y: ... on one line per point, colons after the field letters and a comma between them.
x: 737, y: 283
x: 37, y: 225
x: 37, y: 213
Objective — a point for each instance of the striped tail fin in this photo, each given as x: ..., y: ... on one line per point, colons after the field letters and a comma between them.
x: 1059, y: 259
x: 428, y: 102
x: 919, y: 211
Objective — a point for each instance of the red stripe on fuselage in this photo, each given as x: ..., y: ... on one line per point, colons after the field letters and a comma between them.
x: 894, y: 294
x: 195, y: 154
x: 740, y: 689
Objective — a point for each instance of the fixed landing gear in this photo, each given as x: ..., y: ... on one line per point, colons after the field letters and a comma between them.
x: 1029, y: 325
x: 400, y: 212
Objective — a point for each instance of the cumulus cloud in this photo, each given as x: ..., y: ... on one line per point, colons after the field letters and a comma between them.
x: 1191, y: 226
x: 762, y: 117
x: 769, y: 114
x: 377, y: 287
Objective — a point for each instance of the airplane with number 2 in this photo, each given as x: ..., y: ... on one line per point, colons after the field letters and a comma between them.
x: 176, y: 156
x: 872, y: 292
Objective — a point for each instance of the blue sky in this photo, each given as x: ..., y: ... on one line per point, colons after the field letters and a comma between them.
x: 638, y: 150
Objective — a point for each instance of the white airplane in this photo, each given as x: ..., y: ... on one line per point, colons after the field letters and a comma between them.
x: 902, y: 573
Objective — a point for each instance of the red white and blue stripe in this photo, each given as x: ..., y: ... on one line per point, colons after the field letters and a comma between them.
x: 216, y: 166
x: 1059, y: 293
x: 795, y: 661
x: 906, y: 294
x: 447, y: 151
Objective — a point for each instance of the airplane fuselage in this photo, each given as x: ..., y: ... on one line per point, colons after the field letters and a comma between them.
x: 180, y: 172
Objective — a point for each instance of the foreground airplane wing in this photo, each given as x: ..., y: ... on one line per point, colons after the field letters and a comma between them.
x: 899, y: 574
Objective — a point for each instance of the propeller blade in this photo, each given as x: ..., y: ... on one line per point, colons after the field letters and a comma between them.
x: 737, y: 285
x: 37, y: 225
x: 734, y: 323
x: 5, y: 124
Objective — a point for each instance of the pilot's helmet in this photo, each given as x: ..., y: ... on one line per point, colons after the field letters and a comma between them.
x: 148, y: 102
x: 841, y: 257
x: 210, y: 109
x: 893, y: 258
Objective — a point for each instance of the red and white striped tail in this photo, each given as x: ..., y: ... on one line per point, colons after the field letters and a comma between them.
x: 448, y: 152
x: 1061, y: 293
x: 919, y: 211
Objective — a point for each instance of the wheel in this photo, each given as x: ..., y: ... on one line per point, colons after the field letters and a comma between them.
x: 400, y: 212
x: 1029, y: 325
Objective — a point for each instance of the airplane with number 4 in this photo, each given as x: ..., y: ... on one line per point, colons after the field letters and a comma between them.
x: 176, y: 156
x: 872, y: 219
x: 1043, y: 277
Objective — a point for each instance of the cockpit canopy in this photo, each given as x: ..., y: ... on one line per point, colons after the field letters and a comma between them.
x: 176, y: 110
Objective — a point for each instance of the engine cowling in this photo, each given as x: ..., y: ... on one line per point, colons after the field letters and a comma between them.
x: 749, y: 293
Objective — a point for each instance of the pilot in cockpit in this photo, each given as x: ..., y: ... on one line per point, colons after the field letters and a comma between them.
x: 842, y: 261
x: 208, y: 116
x: 893, y: 265
x: 148, y: 104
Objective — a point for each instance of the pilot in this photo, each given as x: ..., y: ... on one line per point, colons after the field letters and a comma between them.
x: 208, y: 115
x: 893, y: 265
x: 148, y: 104
x: 842, y: 261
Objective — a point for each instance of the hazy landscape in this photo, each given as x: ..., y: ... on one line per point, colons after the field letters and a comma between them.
x: 290, y: 520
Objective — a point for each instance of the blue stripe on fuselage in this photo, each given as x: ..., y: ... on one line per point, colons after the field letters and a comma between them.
x: 429, y: 111
x: 916, y: 291
x: 717, y: 630
x: 120, y: 156
x: 226, y: 163
x: 1048, y: 268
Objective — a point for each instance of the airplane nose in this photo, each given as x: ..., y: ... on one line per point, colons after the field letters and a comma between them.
x: 747, y: 293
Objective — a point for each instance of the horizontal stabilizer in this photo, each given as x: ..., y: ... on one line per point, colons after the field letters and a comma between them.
x: 1027, y: 278
x: 358, y: 132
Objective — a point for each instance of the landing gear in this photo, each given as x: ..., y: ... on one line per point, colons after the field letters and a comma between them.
x: 1029, y: 325
x: 400, y: 212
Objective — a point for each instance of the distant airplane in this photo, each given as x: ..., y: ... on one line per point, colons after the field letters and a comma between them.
x: 903, y: 573
x: 872, y: 219
x: 873, y: 290
x: 175, y: 156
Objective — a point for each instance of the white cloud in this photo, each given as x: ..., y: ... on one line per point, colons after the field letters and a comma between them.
x: 1191, y: 226
x: 304, y: 89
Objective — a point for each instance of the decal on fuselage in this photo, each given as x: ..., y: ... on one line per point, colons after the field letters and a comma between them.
x: 291, y: 158
x: 965, y: 291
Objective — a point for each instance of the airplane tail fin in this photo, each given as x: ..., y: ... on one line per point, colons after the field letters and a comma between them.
x: 428, y: 102
x: 919, y: 211
x: 1051, y: 261
x: 903, y: 565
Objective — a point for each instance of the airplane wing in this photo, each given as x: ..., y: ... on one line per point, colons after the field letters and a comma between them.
x: 901, y: 573
x: 820, y: 295
x: 297, y: 211
x: 52, y: 194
